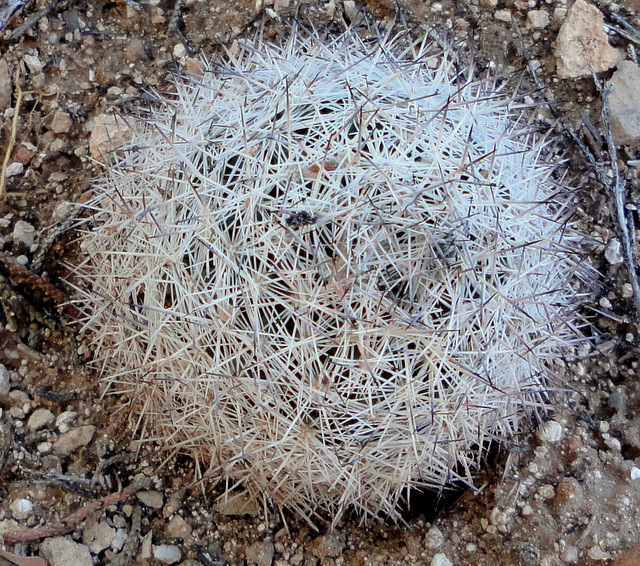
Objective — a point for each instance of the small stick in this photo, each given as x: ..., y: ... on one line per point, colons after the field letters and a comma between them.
x: 66, y: 525
x: 617, y: 186
x: 14, y: 130
x: 618, y: 189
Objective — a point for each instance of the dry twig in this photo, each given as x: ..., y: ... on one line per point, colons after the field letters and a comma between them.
x: 66, y: 525
x: 14, y: 130
x: 613, y: 183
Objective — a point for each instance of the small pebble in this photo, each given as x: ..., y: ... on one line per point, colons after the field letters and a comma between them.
x: 440, y: 559
x: 15, y: 168
x: 179, y: 51
x: 613, y: 252
x: 167, y: 553
x: 21, y: 508
x: 551, y: 431
x: 151, y: 498
x: 5, y: 380
x: 635, y: 473
x: 39, y: 419
x: 24, y: 233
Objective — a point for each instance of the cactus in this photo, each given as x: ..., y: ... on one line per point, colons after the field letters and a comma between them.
x: 332, y: 270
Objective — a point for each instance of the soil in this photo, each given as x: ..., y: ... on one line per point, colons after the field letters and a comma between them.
x: 568, y: 494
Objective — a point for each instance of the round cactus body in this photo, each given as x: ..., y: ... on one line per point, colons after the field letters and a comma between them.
x: 332, y: 271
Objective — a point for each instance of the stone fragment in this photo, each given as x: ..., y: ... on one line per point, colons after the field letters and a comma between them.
x: 440, y: 559
x: 39, y: 419
x: 624, y: 104
x: 64, y: 419
x: 178, y: 528
x: 260, y: 553
x: 6, y: 86
x: 551, y: 431
x: 167, y: 553
x: 238, y: 504
x: 109, y: 132
x: 24, y: 154
x: 136, y: 51
x: 582, y: 40
x: 613, y: 252
x: 61, y: 123
x: 14, y: 169
x: 24, y: 234
x: 151, y: 498
x: 21, y: 508
x: 5, y: 380
x: 434, y: 538
x: 61, y: 551
x: 98, y: 536
x: 538, y: 19
x: 76, y: 438
x: 118, y: 541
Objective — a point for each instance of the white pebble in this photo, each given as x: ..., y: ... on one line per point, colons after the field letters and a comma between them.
x: 550, y: 431
x: 167, y: 553
x: 635, y: 473
x: 21, y: 508
x: 613, y: 253
x: 179, y: 51
x: 440, y: 559
x: 15, y: 168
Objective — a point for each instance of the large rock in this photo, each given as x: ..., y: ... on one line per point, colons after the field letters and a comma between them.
x: 624, y: 104
x: 582, y: 40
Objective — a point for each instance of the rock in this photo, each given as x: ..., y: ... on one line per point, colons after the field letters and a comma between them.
x: 634, y: 474
x: 14, y: 169
x: 178, y: 528
x: 98, y: 536
x: 136, y: 51
x: 21, y: 508
x: 440, y: 559
x: 76, y: 438
x: 24, y: 234
x: 179, y: 51
x: 118, y: 541
x: 434, y: 538
x: 151, y: 498
x: 5, y: 380
x: 109, y: 132
x: 597, y: 553
x: 64, y: 419
x: 238, y: 504
x: 260, y: 553
x: 6, y: 87
x: 24, y: 153
x: 551, y: 431
x: 582, y: 40
x: 167, y: 553
x: 613, y: 252
x: 624, y: 104
x: 538, y: 19
x: 39, y: 419
x: 629, y: 557
x: 61, y: 122
x: 61, y: 551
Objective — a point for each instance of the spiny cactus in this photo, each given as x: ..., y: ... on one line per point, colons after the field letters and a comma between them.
x: 331, y: 270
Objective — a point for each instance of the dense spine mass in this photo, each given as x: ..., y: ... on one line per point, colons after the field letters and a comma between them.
x: 331, y: 270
